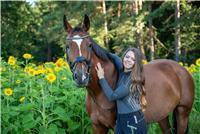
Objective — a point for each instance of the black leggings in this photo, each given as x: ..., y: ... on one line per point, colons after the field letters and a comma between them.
x: 131, y: 123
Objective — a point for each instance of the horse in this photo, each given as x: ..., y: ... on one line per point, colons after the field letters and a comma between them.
x: 169, y: 86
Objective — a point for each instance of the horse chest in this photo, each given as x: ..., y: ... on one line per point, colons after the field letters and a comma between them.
x: 98, y: 115
x: 103, y: 118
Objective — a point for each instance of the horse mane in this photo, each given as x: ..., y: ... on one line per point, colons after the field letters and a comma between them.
x: 100, y: 52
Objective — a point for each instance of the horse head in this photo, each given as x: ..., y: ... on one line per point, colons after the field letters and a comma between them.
x: 79, y: 51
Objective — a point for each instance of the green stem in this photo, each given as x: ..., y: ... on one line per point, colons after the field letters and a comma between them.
x: 82, y: 119
x: 51, y: 96
x: 53, y: 120
x: 43, y: 107
x: 26, y: 61
x: 13, y: 78
x: 10, y: 75
x: 31, y: 90
x: 7, y: 104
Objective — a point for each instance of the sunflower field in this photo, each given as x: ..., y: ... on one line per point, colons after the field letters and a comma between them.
x: 40, y: 99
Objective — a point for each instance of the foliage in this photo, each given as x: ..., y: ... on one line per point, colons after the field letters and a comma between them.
x: 17, y: 27
x: 32, y: 103
x: 39, y: 29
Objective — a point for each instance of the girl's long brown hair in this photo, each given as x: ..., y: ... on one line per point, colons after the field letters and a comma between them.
x: 137, y: 77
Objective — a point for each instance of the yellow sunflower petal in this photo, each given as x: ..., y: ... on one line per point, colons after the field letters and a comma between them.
x: 8, y: 91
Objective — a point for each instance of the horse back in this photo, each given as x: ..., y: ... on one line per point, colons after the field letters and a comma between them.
x: 166, y: 83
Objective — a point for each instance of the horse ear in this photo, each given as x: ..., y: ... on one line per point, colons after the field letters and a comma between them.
x: 66, y: 24
x: 86, y: 23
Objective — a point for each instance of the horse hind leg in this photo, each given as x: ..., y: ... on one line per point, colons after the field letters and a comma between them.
x: 182, y: 118
x: 165, y: 126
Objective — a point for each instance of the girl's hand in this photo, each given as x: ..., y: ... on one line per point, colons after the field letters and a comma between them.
x: 100, y: 71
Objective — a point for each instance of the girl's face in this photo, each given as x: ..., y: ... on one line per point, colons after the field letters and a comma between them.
x: 129, y: 60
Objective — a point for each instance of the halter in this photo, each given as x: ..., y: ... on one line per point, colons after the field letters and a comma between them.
x: 75, y: 38
x: 80, y: 59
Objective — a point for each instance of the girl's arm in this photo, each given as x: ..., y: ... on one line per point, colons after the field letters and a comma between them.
x: 120, y: 92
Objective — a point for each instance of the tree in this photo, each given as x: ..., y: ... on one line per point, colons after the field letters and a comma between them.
x: 177, y: 34
x: 139, y: 25
x: 105, y: 23
x: 152, y: 49
x: 39, y: 30
x: 17, y: 28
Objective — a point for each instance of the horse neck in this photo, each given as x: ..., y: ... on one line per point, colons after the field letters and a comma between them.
x: 110, y: 74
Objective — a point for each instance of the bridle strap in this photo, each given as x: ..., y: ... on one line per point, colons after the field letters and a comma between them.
x: 76, y: 38
x: 82, y: 59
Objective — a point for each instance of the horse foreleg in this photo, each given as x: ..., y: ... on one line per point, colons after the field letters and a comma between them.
x: 165, y: 126
x: 99, y: 129
x: 182, y: 117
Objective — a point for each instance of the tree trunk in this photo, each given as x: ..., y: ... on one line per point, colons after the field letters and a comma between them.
x: 140, y: 4
x: 48, y: 52
x: 136, y: 7
x: 177, y: 35
x: 152, y: 49
x: 105, y: 24
x: 139, y: 43
x: 119, y: 9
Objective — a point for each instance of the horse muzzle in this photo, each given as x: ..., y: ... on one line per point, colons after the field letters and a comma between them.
x: 81, y: 80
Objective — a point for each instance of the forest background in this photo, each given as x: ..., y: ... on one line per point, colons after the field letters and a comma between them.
x: 38, y: 95
x: 160, y: 29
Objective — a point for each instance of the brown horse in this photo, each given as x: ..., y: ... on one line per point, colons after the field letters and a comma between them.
x: 169, y: 87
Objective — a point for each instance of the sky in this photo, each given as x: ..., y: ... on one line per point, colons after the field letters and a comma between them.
x: 32, y: 2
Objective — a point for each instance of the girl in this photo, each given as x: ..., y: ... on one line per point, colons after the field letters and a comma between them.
x: 129, y: 94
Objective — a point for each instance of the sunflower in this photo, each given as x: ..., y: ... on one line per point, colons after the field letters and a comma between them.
x: 51, y: 77
x: 66, y: 65
x: 18, y: 81
x: 180, y: 63
x: 60, y: 62
x: 49, y: 70
x: 57, y: 69
x: 64, y: 78
x: 31, y: 72
x: 2, y: 69
x: 144, y: 62
x: 187, y: 68
x: 8, y: 91
x: 198, y: 62
x: 39, y: 71
x: 21, y: 99
x: 11, y: 60
x: 191, y: 70
x: 27, y: 56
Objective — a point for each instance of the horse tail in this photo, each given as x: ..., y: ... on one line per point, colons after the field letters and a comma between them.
x: 174, y: 129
